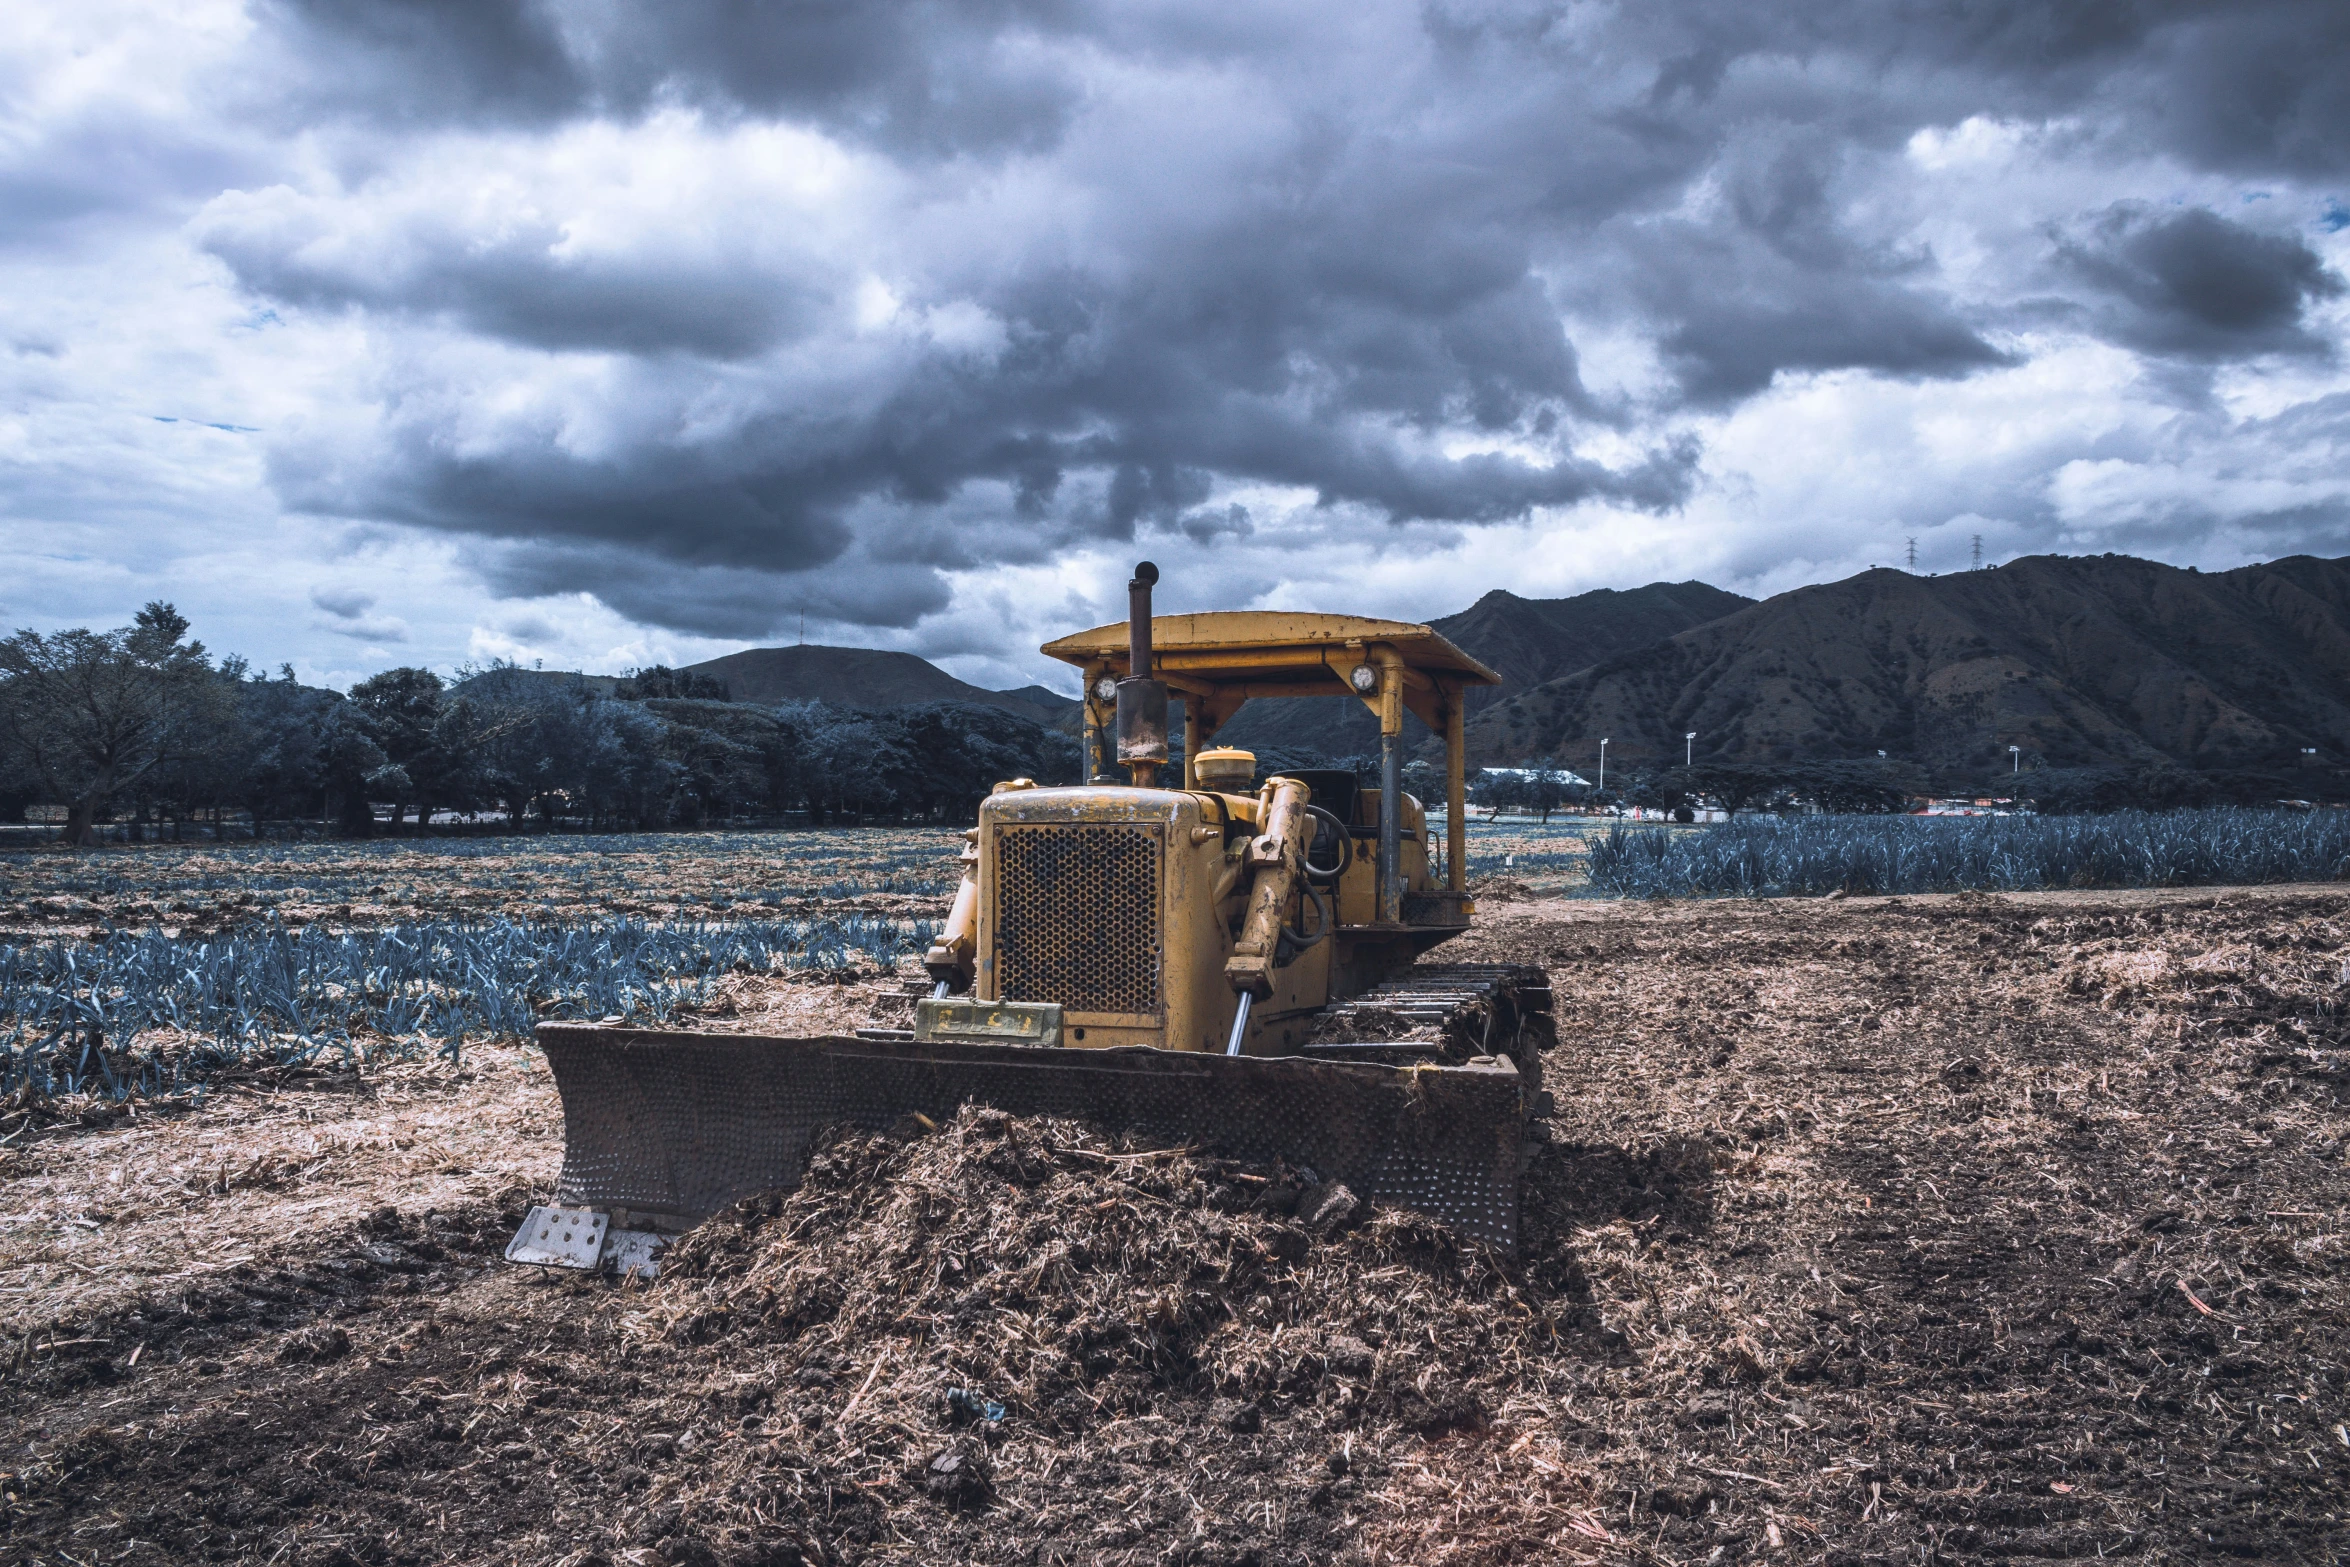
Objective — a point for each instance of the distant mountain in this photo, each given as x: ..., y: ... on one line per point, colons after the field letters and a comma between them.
x: 1043, y: 696
x: 2079, y: 660
x: 863, y: 677
x: 1525, y: 641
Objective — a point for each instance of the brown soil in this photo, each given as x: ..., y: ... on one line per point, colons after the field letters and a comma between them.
x: 171, y: 1200
x: 1961, y: 1229
x: 104, y: 1202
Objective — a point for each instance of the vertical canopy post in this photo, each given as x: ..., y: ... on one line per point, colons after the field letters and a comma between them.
x: 1100, y: 723
x: 1390, y: 785
x: 1456, y: 792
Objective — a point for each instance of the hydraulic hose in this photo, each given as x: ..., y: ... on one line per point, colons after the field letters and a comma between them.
x: 1327, y: 922
x: 1346, y: 847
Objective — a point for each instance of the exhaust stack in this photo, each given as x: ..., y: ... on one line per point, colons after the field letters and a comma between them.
x: 1142, y: 701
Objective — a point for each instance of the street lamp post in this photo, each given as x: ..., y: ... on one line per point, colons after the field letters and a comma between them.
x: 1603, y: 766
x: 1689, y: 749
x: 2015, y: 755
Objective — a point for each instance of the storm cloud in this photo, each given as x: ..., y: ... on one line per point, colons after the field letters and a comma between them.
x: 2189, y: 282
x: 718, y: 315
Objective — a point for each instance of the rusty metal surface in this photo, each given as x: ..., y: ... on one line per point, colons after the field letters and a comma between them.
x: 1442, y: 907
x: 1138, y: 620
x: 1462, y: 1010
x: 1084, y: 917
x: 681, y: 1124
x: 1242, y: 644
x: 1142, y: 721
x: 1033, y: 1023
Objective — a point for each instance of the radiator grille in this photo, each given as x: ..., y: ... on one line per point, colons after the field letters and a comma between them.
x: 1077, y: 917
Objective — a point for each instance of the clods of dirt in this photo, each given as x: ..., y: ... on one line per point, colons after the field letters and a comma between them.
x: 1867, y: 1230
x: 1169, y: 1346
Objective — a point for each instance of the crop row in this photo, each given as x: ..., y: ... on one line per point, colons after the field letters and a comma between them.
x: 742, y: 866
x: 150, y: 1013
x: 1783, y: 856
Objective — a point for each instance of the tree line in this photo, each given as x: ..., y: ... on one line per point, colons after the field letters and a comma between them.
x: 142, y: 723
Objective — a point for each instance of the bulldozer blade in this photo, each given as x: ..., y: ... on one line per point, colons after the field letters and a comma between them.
x: 673, y: 1126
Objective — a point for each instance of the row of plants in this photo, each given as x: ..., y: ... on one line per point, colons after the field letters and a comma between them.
x: 719, y: 867
x: 151, y: 1014
x: 1796, y: 856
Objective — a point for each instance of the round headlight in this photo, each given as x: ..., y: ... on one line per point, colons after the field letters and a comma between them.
x: 1365, y: 678
x: 1105, y: 690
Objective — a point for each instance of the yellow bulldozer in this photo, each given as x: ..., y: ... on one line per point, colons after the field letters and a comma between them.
x: 1196, y: 958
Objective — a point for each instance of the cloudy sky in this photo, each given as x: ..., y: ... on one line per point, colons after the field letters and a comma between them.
x: 379, y: 332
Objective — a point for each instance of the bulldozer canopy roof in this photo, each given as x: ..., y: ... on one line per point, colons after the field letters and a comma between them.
x: 1244, y: 647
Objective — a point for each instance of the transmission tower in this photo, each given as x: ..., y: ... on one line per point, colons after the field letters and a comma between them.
x: 1978, y: 566
x: 1913, y: 554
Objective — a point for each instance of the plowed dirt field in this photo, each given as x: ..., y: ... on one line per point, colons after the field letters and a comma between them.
x: 1934, y: 1229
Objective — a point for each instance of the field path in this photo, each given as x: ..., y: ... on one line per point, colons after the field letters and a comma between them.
x: 258, y: 1175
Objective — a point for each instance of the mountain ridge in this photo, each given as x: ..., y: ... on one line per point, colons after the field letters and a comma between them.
x: 863, y: 677
x: 2105, y: 660
x: 1525, y: 641
x: 2080, y: 660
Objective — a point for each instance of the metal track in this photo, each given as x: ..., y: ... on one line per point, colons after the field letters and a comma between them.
x: 1446, y: 1011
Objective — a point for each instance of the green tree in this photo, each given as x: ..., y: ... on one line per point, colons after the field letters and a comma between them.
x: 308, y: 753
x: 1546, y: 790
x: 92, y: 715
x: 1499, y: 789
x: 852, y: 762
x: 1738, y: 786
x: 964, y: 750
x: 402, y: 707
x: 656, y: 682
x: 1858, y: 788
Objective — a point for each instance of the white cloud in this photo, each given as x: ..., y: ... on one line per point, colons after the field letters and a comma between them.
x: 626, y: 343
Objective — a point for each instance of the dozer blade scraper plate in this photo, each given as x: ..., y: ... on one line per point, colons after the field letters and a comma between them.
x: 678, y: 1125
x: 560, y: 1237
